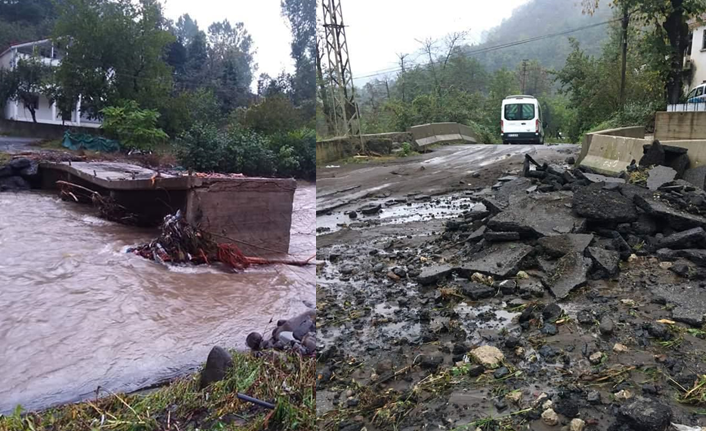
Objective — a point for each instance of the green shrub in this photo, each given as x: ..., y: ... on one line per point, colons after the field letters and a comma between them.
x: 201, y: 148
x: 300, y: 145
x: 135, y: 128
x: 248, y: 153
x: 483, y: 133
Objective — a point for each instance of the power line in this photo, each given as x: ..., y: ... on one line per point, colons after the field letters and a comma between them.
x: 504, y: 45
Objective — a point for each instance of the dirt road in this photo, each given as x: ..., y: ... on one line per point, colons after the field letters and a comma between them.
x: 397, y: 346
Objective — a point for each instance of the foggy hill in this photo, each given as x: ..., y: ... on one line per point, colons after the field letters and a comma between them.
x: 538, y: 18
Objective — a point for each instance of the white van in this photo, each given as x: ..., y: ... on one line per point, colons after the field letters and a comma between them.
x: 521, y: 121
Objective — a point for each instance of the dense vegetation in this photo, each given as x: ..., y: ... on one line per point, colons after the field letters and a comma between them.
x: 576, y: 76
x: 287, y: 380
x: 167, y: 81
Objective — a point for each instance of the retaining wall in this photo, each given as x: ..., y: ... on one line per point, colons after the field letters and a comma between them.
x: 41, y: 131
x: 680, y: 126
x: 333, y: 149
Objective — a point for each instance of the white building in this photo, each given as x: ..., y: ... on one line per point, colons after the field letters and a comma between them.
x: 46, y: 112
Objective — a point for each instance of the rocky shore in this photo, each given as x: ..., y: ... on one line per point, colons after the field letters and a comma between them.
x: 559, y: 299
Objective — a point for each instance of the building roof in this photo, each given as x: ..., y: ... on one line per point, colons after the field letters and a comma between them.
x: 24, y: 45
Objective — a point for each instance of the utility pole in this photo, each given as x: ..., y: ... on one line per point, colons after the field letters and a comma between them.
x: 623, y: 70
x: 345, y: 109
x: 524, y: 75
x: 402, y: 57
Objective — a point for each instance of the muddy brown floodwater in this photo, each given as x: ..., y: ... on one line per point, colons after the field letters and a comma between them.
x: 78, y: 312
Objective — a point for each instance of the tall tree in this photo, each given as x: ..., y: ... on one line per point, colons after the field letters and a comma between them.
x: 29, y: 81
x: 231, y: 63
x: 301, y: 15
x: 669, y: 20
x: 116, y: 52
x: 186, y: 29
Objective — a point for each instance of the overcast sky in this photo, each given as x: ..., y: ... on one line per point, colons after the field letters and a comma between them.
x: 379, y: 29
x: 262, y: 18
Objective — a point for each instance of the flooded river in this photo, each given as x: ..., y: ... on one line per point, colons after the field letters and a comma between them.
x: 77, y: 312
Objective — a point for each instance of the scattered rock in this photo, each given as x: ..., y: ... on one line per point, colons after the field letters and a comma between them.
x: 623, y: 395
x: 353, y: 214
x: 13, y: 183
x: 488, y: 356
x: 549, y: 417
x: 606, y: 326
x: 477, y: 291
x: 596, y: 358
x: 645, y: 415
x: 20, y: 163
x: 501, y: 372
x: 217, y: 365
x: 620, y: 348
x: 577, y: 424
x: 551, y: 312
x: 370, y: 209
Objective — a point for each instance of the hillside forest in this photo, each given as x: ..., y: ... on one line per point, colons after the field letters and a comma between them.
x: 572, y: 67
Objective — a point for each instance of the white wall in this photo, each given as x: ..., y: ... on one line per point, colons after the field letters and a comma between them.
x: 698, y: 57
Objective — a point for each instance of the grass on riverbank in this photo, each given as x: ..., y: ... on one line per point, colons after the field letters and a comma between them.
x: 288, y: 381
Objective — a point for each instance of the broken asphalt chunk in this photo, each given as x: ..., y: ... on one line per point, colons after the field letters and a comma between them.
x: 433, y: 274
x: 609, y: 206
x: 569, y: 273
x: 558, y: 246
x: 538, y: 216
x: 501, y: 260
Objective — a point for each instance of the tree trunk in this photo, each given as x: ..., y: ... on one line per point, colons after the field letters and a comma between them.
x: 678, y: 33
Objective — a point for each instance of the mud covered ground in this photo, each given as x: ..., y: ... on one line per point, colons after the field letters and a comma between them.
x: 397, y: 340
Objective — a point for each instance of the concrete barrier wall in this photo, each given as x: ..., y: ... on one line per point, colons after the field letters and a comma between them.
x: 671, y: 126
x: 628, y: 132
x: 610, y: 155
x: 443, y: 133
x: 40, y: 131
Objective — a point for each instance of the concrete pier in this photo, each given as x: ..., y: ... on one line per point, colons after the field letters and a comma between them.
x: 253, y: 213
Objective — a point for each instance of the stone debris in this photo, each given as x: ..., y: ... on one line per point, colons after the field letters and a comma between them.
x: 488, y: 356
x: 660, y: 175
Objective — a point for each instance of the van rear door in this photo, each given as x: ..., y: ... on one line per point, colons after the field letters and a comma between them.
x: 519, y: 117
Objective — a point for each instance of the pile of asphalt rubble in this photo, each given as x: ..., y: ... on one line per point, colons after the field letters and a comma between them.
x: 18, y: 174
x: 555, y: 230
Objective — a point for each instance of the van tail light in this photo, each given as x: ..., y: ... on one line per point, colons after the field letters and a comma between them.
x: 501, y: 126
x: 537, y: 126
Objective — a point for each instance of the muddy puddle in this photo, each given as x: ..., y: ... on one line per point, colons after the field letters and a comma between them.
x: 78, y: 312
x: 397, y: 211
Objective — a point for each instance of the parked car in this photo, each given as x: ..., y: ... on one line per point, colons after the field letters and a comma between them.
x: 521, y: 121
x: 696, y: 95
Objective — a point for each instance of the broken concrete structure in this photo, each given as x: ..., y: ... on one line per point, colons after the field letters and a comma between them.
x: 253, y: 213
